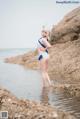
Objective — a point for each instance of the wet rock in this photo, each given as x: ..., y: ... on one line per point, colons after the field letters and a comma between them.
x: 25, y: 109
x: 29, y: 60
x: 73, y: 90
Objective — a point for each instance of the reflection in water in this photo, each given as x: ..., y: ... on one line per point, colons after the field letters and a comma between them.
x: 44, y: 95
x: 65, y: 102
x: 72, y: 104
x: 61, y: 100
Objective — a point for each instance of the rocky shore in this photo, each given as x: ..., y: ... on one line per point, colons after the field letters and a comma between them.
x: 26, y: 109
x: 28, y: 60
x: 64, y: 64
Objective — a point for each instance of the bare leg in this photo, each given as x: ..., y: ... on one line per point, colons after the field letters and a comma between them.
x: 48, y: 79
x: 45, y: 76
x: 46, y: 68
x: 44, y: 79
x: 46, y: 64
x: 43, y: 72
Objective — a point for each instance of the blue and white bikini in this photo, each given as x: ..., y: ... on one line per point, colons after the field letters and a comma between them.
x: 41, y: 44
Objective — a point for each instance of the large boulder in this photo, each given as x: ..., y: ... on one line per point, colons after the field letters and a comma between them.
x: 68, y: 29
x: 65, y: 53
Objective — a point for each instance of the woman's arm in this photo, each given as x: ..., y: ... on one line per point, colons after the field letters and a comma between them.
x: 47, y: 44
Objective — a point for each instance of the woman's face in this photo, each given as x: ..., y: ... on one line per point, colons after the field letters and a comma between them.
x: 44, y: 33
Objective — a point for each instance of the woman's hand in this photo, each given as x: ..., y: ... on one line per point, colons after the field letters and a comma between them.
x: 42, y: 49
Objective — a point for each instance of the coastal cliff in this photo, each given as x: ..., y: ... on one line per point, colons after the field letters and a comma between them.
x: 66, y: 51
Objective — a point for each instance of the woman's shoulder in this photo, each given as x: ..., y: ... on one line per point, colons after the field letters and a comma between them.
x: 43, y: 39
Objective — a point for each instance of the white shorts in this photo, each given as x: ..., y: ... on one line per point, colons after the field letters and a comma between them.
x: 43, y: 55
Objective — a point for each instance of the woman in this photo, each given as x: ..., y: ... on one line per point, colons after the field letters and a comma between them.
x: 43, y: 57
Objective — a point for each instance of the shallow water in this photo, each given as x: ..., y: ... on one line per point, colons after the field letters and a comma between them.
x: 25, y: 83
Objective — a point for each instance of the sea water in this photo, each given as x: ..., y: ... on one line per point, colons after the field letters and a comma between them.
x: 27, y: 84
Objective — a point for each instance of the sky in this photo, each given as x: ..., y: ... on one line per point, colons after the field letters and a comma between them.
x: 21, y: 21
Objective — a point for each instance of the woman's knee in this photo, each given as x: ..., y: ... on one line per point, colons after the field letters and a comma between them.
x: 41, y: 65
x: 44, y: 65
